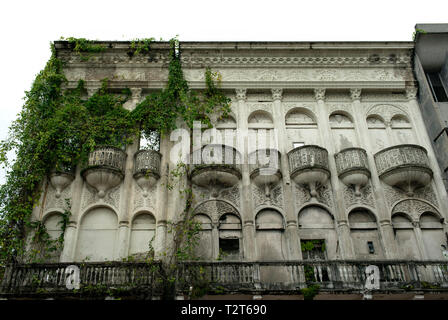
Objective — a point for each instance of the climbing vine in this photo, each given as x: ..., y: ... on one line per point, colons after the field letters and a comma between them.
x: 57, y: 129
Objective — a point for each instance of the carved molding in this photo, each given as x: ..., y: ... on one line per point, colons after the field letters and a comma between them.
x: 215, y: 208
x: 241, y: 94
x: 324, y: 195
x: 414, y: 208
x: 386, y: 111
x: 355, y: 94
x: 366, y: 197
x: 319, y: 94
x: 275, y: 198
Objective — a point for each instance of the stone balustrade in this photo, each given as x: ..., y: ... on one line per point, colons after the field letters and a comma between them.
x: 31, y: 279
x: 267, y: 160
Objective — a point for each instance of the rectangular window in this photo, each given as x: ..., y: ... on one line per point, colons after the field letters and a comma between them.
x: 438, y: 91
x: 150, y: 142
x: 371, y: 247
x: 229, y: 248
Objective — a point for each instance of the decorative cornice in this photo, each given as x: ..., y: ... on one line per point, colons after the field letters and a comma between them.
x: 277, y: 94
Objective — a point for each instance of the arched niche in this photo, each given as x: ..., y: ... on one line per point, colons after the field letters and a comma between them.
x: 377, y: 132
x: 270, y: 237
x: 301, y: 128
x: 316, y: 225
x: 53, y: 224
x: 402, y: 130
x: 230, y: 237
x: 343, y: 131
x: 204, y: 249
x: 143, y: 229
x: 97, y: 235
x: 433, y: 235
x: 405, y: 237
x: 365, y: 235
x: 261, y: 133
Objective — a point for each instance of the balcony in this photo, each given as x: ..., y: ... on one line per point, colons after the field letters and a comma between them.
x: 404, y: 166
x: 146, y: 169
x: 264, y: 168
x: 352, y: 167
x: 309, y: 166
x: 249, y: 277
x: 105, y: 169
x: 215, y: 164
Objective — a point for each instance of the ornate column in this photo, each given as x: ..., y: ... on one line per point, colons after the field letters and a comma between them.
x: 162, y: 199
x: 345, y: 247
x: 247, y: 210
x: 386, y: 232
x: 425, y: 141
x: 215, y: 240
x: 126, y: 198
x: 292, y: 235
x: 71, y: 232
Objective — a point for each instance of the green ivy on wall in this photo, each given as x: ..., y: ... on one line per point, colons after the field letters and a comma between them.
x: 57, y: 129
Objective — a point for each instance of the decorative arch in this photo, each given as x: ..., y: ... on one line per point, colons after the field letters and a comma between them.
x: 270, y: 237
x: 269, y: 218
x: 97, y: 234
x: 300, y: 116
x: 414, y: 208
x: 375, y: 121
x: 316, y: 204
x: 215, y: 209
x: 143, y: 229
x: 260, y: 117
x: 405, y: 238
x: 341, y: 116
x: 52, y: 221
x: 227, y: 122
x: 386, y: 111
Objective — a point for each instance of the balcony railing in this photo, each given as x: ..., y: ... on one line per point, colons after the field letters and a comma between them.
x: 288, y: 276
x: 308, y: 157
x: 147, y: 162
x: 215, y: 156
x: 351, y: 159
x: 107, y: 157
x: 401, y: 156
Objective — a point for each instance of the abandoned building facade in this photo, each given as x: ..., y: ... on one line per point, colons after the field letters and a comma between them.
x: 352, y: 167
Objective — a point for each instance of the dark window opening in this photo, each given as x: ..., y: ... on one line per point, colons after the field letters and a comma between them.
x: 229, y: 247
x: 371, y: 247
x: 438, y: 91
x: 313, y: 249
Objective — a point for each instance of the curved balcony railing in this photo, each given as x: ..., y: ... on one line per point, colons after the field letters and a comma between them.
x: 215, y: 163
x: 105, y: 168
x: 351, y: 160
x: 215, y: 156
x: 405, y: 164
x: 107, y: 157
x: 264, y: 161
x: 147, y: 162
x: 307, y: 157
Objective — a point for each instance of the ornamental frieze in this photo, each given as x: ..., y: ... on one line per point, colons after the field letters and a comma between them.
x: 215, y: 208
x: 393, y: 195
x: 324, y: 195
x: 386, y: 111
x: 275, y: 197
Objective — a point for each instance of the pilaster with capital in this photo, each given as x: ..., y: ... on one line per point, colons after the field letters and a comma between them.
x: 325, y: 130
x: 378, y: 192
x: 291, y: 234
x: 247, y: 210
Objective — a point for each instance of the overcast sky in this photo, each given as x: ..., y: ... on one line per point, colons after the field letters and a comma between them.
x: 28, y: 27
